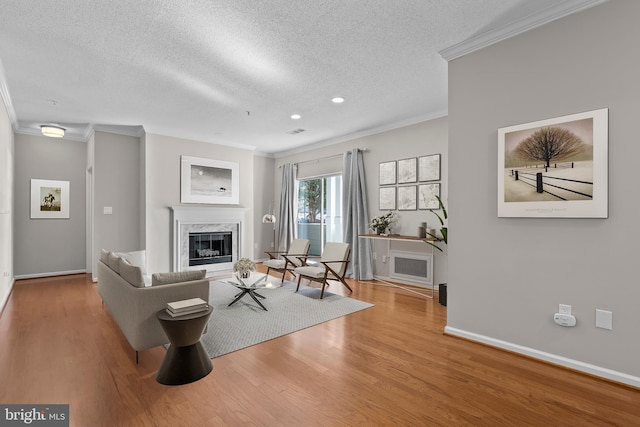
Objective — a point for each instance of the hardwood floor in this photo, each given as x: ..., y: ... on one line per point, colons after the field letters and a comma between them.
x: 387, y: 365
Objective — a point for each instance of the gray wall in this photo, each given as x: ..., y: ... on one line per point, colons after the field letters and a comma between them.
x: 49, y: 246
x: 116, y: 184
x: 425, y: 138
x: 263, y: 194
x: 508, y: 275
x: 6, y: 205
x: 162, y: 166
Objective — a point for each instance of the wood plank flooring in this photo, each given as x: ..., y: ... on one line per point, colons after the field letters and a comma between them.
x: 387, y: 365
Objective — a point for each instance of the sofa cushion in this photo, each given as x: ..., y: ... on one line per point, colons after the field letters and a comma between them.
x: 113, y: 261
x: 131, y: 273
x: 136, y: 258
x: 104, y: 256
x: 177, y: 277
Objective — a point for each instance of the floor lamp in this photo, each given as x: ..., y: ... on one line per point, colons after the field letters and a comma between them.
x: 271, y: 219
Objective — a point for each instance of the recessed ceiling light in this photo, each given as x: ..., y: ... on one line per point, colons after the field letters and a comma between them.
x: 295, y: 116
x: 52, y: 131
x: 338, y: 100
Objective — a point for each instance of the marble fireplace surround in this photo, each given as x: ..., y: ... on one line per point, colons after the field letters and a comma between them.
x: 190, y: 219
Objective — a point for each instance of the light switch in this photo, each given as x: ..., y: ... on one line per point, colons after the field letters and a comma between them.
x: 604, y: 319
x: 108, y: 210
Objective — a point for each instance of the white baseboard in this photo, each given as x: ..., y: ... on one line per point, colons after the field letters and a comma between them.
x: 55, y: 273
x: 6, y: 297
x: 577, y: 365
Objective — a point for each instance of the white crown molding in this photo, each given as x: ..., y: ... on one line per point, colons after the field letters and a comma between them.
x: 135, y: 131
x: 361, y: 134
x: 519, y: 26
x: 577, y: 365
x: 6, y: 98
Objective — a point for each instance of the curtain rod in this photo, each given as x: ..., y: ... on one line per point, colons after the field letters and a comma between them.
x: 324, y: 158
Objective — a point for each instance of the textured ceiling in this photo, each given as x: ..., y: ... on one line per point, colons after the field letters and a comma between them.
x: 234, y: 71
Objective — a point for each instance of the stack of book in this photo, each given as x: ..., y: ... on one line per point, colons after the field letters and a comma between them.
x: 187, y: 306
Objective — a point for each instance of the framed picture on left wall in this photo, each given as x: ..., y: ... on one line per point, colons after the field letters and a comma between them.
x: 49, y: 199
x: 209, y: 181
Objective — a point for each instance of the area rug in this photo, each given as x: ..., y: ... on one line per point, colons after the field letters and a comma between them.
x: 245, y: 324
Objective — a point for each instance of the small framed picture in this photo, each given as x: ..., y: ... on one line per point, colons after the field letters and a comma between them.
x: 429, y: 168
x: 427, y: 196
x: 407, y: 198
x: 49, y: 199
x: 387, y: 198
x: 407, y: 170
x: 387, y: 173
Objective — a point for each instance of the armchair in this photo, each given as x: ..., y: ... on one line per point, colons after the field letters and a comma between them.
x: 332, y: 266
x: 284, y: 262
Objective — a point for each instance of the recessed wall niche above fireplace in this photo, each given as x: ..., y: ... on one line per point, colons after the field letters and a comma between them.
x: 206, y: 238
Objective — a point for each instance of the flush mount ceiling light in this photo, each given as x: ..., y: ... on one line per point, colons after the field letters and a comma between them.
x: 52, y: 131
x: 338, y: 100
x: 295, y: 116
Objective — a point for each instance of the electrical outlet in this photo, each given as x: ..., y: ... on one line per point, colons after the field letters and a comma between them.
x: 564, y: 309
x: 384, y: 259
x: 272, y: 245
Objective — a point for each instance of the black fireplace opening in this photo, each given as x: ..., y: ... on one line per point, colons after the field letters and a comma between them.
x: 212, y: 247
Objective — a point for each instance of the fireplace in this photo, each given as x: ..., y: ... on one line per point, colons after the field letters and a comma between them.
x: 210, y: 247
x: 206, y: 238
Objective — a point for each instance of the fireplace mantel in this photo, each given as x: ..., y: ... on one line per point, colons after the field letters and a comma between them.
x: 186, y: 219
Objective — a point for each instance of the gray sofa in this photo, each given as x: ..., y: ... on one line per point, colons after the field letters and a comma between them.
x: 133, y: 304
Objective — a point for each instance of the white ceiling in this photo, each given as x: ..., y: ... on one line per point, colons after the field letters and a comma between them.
x: 232, y: 72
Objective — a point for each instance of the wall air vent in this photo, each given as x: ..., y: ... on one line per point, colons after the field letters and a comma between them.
x: 296, y: 131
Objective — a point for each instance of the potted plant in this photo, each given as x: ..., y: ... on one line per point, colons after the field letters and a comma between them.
x: 380, y: 224
x: 444, y: 230
x: 244, y: 267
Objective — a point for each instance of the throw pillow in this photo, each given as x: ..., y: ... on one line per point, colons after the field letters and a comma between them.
x: 177, y: 277
x: 114, y: 262
x: 131, y: 273
x: 136, y: 258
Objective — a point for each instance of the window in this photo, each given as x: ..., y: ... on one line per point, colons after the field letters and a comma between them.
x: 320, y: 211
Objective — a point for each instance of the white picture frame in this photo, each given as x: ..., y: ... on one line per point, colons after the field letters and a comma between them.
x: 49, y: 199
x: 427, y: 196
x: 387, y: 173
x: 407, y: 170
x: 387, y: 198
x: 407, y: 198
x: 573, y: 184
x: 209, y: 181
x: 429, y: 168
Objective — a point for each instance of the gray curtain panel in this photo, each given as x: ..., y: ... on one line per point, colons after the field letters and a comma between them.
x: 287, y: 217
x: 355, y: 215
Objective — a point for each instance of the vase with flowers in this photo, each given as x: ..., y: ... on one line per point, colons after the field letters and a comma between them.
x: 243, y: 267
x: 380, y: 224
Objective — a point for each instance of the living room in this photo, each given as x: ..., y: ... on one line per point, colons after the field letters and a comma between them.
x: 506, y: 276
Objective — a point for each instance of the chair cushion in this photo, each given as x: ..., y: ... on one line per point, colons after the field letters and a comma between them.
x: 276, y: 264
x: 131, y: 273
x: 317, y: 272
x: 104, y: 256
x: 177, y: 277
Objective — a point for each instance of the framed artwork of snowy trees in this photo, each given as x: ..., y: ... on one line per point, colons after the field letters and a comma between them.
x: 555, y: 168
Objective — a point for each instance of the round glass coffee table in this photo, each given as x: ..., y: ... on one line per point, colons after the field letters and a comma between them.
x: 249, y: 286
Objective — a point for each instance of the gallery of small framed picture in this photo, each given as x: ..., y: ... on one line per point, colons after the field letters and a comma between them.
x: 387, y: 173
x: 387, y: 198
x: 209, y: 181
x: 49, y: 199
x: 429, y: 168
x: 407, y: 170
x: 427, y: 196
x: 407, y: 198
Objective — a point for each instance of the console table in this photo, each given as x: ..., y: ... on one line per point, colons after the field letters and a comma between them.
x: 397, y: 237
